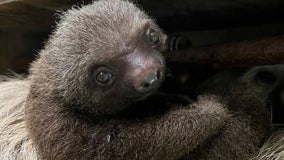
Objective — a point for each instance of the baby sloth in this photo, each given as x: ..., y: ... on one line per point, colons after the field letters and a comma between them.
x: 102, y: 60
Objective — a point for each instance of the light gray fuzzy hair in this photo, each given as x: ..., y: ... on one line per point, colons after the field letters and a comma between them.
x: 273, y: 148
x: 15, y: 143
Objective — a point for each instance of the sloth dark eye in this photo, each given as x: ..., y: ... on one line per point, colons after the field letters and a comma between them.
x: 154, y: 38
x: 104, y: 77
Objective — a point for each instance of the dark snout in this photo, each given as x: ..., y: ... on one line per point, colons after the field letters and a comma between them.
x: 146, y: 71
x: 149, y: 78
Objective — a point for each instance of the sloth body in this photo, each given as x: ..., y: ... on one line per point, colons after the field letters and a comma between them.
x: 102, y: 60
x: 20, y: 146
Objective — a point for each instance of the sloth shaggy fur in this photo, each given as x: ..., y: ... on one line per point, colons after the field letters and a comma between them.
x: 58, y: 112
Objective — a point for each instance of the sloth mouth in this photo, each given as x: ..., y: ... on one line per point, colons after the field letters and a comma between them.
x: 142, y: 110
x: 136, y: 97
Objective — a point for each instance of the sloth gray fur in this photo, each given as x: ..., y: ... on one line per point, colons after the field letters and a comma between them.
x: 38, y: 122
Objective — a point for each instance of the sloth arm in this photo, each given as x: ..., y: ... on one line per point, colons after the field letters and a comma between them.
x: 245, y: 130
x: 59, y: 135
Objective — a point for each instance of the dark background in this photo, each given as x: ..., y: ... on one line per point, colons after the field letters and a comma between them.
x: 26, y: 24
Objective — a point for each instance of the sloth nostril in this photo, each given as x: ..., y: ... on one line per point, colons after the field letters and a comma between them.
x: 265, y: 77
x: 150, y: 79
x: 159, y: 74
x: 145, y: 84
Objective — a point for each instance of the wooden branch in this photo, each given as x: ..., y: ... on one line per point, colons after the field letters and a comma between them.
x: 267, y: 51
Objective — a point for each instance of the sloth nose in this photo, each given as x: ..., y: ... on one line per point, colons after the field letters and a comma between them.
x: 150, y: 81
x: 146, y: 71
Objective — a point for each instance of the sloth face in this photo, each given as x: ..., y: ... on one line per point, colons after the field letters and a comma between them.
x: 102, y: 58
x: 134, y: 75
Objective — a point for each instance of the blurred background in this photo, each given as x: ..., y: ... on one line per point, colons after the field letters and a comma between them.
x: 26, y: 24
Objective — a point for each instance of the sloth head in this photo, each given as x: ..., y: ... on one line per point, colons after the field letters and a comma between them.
x: 101, y: 58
